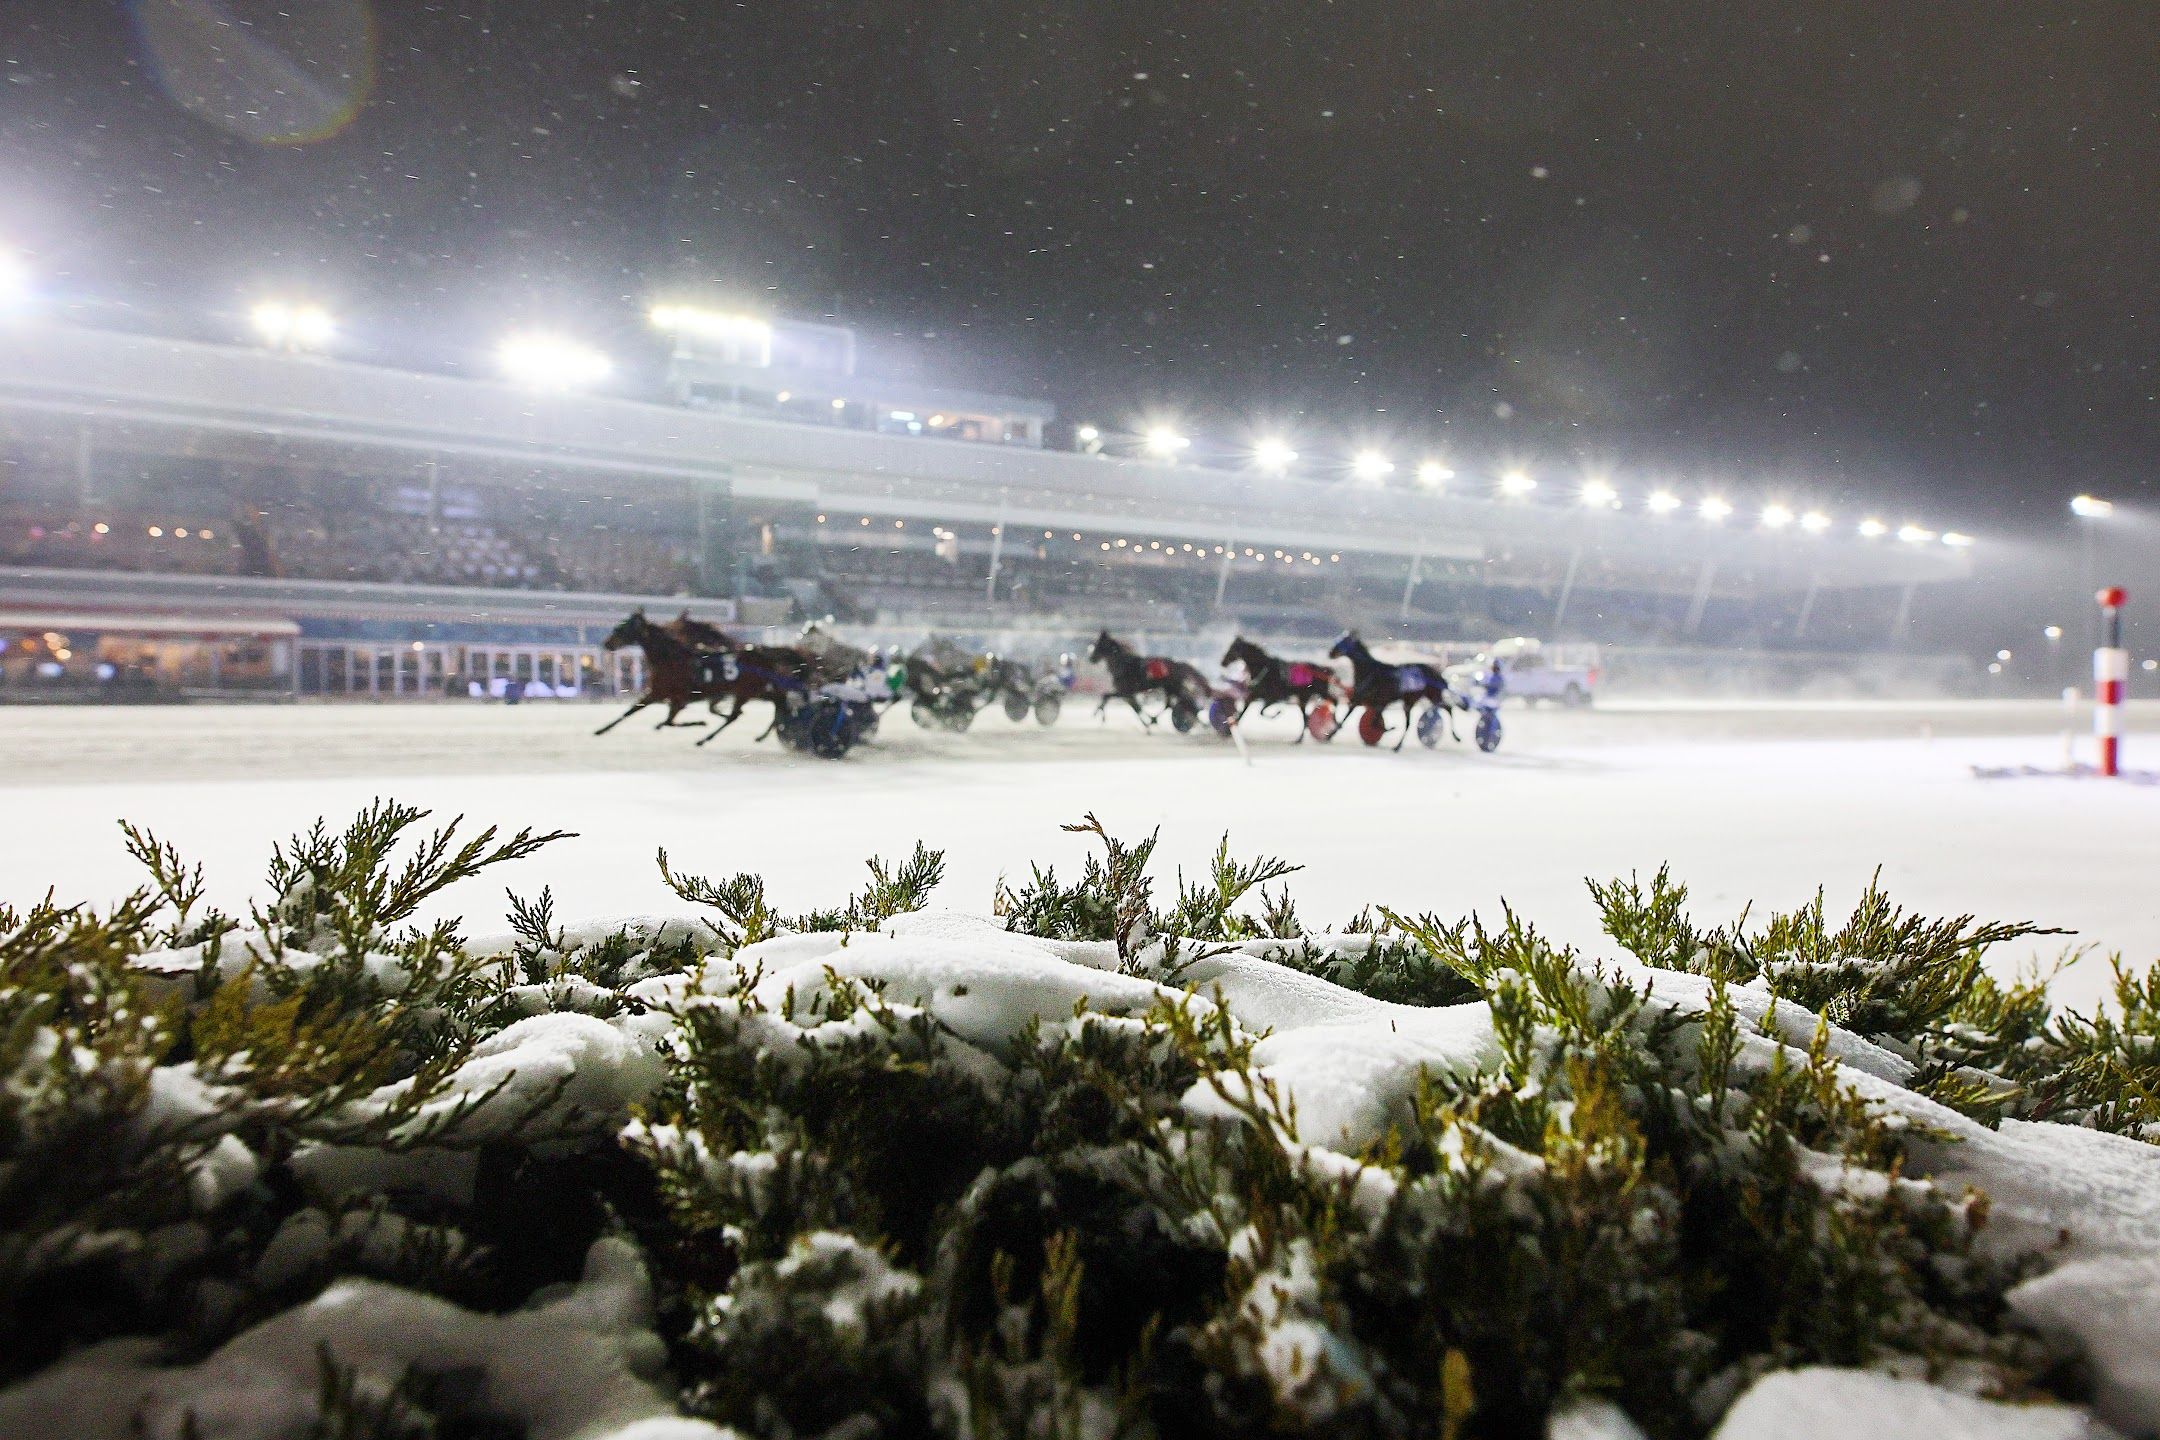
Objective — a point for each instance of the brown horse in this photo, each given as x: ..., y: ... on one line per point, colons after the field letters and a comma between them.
x: 755, y: 672
x: 671, y: 670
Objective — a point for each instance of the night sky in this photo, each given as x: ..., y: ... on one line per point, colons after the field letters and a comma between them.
x: 1863, y: 249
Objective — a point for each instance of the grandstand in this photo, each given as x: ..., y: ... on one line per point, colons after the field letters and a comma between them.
x: 383, y: 531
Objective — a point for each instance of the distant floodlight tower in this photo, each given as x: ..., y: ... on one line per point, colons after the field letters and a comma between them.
x: 541, y: 361
x: 1517, y: 483
x: 1272, y: 455
x: 1777, y: 517
x: 1433, y: 474
x: 1815, y: 522
x: 1714, y: 509
x: 1163, y: 442
x: 2111, y: 668
x: 14, y: 283
x: 1662, y: 502
x: 1371, y: 466
x: 292, y: 326
x: 1873, y: 529
x: 1599, y: 495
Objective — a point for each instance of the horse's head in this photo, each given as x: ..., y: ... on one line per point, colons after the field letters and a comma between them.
x: 632, y: 631
x: 1347, y: 646
x: 1104, y: 647
x: 1239, y: 653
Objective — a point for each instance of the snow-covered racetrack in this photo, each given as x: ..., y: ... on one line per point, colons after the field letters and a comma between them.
x: 1748, y: 803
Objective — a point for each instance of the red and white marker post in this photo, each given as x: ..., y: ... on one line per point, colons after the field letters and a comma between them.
x: 2111, y: 668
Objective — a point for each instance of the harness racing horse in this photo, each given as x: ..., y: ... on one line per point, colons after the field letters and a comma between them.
x: 1271, y: 680
x: 1183, y: 689
x: 1376, y: 684
x: 755, y: 672
x: 671, y: 670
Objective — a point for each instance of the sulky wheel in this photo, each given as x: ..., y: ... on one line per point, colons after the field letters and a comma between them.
x: 1488, y: 730
x: 1320, y: 721
x: 1184, y: 715
x: 923, y: 714
x: 1431, y: 725
x: 1016, y: 706
x: 1372, y: 725
x: 1046, y: 709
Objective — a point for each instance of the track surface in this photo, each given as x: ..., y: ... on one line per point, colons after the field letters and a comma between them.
x: 1748, y: 803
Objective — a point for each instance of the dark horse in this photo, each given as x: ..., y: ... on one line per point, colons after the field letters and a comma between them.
x: 679, y: 674
x: 1375, y: 685
x: 1133, y: 675
x: 671, y: 669
x: 1271, y: 680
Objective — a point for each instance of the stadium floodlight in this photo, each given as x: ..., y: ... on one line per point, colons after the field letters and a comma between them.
x: 551, y: 362
x: 287, y: 325
x: 14, y: 282
x: 1432, y: 474
x: 1776, y: 517
x: 2091, y: 507
x: 1714, y: 508
x: 1873, y: 529
x: 1958, y: 540
x: 1814, y: 522
x: 692, y: 322
x: 1915, y: 534
x: 1087, y: 434
x: 1662, y: 502
x: 1371, y: 466
x: 1517, y: 483
x: 2053, y: 632
x: 1273, y: 455
x: 1163, y: 441
x: 1600, y: 495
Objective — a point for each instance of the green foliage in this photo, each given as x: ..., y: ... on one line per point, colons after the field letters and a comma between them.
x: 863, y: 1223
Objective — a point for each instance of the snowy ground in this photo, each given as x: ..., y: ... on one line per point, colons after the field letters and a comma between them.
x: 1747, y: 802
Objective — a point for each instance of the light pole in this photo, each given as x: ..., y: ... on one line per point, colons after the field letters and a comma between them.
x: 2090, y: 511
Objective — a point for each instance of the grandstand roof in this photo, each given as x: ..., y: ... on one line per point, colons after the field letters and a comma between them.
x: 197, y: 397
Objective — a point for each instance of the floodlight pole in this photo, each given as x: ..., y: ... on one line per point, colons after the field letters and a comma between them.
x: 2111, y: 668
x: 1567, y: 590
x: 1807, y: 606
x: 997, y: 553
x: 1700, y: 606
x: 1417, y: 573
x: 1222, y: 571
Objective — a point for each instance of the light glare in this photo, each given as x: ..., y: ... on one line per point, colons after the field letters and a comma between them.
x: 551, y: 362
x: 1714, y: 508
x: 1873, y: 529
x: 1600, y: 495
x: 1371, y: 465
x: 2091, y: 507
x: 1274, y: 455
x: 284, y: 325
x: 1517, y: 482
x: 1915, y: 534
x: 1662, y: 502
x: 1432, y: 474
x: 1163, y: 441
x: 1957, y: 540
x: 1776, y: 517
x: 1814, y: 522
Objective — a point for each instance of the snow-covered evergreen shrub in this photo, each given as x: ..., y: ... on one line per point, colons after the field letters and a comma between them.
x: 1117, y: 1161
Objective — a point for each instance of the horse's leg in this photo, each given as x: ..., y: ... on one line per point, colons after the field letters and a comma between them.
x: 637, y: 706
x: 1102, y: 706
x: 732, y: 717
x: 1304, y: 718
x: 1145, y: 718
x: 1407, y: 706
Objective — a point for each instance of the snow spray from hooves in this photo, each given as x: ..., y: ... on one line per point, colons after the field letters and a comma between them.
x: 2111, y: 668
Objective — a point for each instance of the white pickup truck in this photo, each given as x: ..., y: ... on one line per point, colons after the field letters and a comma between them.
x: 1564, y: 674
